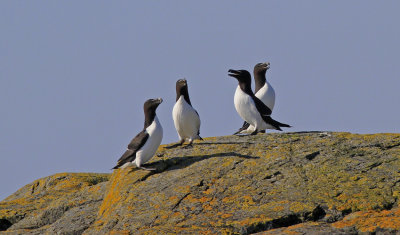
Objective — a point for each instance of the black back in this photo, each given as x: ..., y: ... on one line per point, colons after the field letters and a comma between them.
x: 182, y: 89
x: 135, y: 145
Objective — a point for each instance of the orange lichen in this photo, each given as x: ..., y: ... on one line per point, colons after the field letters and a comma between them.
x: 261, y: 178
x: 121, y: 232
x: 209, y: 191
x: 248, y: 200
x: 226, y: 216
x: 51, y: 192
x: 369, y: 221
x: 214, y: 202
x: 204, y: 199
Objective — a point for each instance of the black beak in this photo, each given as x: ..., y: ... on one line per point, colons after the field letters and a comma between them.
x: 234, y: 73
x: 265, y: 65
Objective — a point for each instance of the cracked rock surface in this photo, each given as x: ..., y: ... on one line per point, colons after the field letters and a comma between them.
x: 290, y: 183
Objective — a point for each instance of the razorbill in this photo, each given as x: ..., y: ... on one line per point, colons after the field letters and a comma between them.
x: 142, y: 148
x: 186, y: 118
x: 250, y: 108
x: 263, y: 91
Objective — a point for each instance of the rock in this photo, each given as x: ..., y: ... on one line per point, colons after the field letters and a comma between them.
x: 299, y: 183
x: 66, y: 203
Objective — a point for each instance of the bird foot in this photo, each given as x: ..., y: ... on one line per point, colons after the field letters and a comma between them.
x: 243, y: 135
x: 254, y: 133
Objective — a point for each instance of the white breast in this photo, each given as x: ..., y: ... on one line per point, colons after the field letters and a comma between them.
x: 186, y: 120
x: 247, y: 110
x: 267, y: 95
x: 148, y: 150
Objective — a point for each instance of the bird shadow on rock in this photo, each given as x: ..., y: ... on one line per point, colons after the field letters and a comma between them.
x: 212, y: 143
x: 201, y: 143
x: 176, y: 163
x: 173, y: 146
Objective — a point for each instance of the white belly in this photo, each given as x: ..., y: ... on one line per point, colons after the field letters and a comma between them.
x: 148, y: 150
x: 247, y: 110
x: 186, y: 120
x: 267, y: 95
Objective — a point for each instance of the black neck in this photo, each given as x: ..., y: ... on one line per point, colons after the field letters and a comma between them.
x: 149, y: 116
x: 183, y: 91
x: 246, y: 88
x: 259, y: 78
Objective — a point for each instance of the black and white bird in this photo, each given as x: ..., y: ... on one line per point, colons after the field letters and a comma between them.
x: 263, y: 91
x: 143, y: 147
x: 250, y: 108
x: 186, y: 118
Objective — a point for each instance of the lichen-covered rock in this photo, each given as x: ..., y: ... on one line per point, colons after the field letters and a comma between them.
x: 291, y: 183
x: 364, y: 222
x: 66, y: 203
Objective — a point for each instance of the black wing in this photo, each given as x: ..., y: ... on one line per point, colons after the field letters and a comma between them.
x: 261, y: 107
x: 135, y: 144
x: 266, y: 114
x: 274, y: 123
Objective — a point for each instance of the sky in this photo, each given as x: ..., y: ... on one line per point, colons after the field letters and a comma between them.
x: 74, y: 74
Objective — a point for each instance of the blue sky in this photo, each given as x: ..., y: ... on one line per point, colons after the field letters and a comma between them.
x: 74, y: 74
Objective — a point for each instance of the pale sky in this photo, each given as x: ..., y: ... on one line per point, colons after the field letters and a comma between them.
x: 74, y: 74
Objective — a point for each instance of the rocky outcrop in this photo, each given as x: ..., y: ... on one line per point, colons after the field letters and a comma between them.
x: 65, y: 203
x: 292, y: 183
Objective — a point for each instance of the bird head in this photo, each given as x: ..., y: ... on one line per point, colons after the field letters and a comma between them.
x: 181, y: 84
x: 261, y: 67
x: 243, y: 76
x: 152, y: 104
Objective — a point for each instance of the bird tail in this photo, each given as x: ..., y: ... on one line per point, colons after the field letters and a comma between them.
x: 275, y: 123
x: 284, y: 125
x: 116, y: 167
x: 198, y: 135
